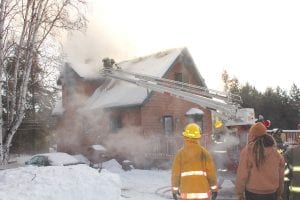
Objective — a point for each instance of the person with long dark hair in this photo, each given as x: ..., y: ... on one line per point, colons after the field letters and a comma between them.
x: 261, y: 168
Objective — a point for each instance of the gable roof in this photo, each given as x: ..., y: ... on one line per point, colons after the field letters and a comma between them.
x: 71, y: 71
x: 118, y: 93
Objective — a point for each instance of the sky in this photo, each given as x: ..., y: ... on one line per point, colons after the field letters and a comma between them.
x: 255, y: 41
x: 77, y: 182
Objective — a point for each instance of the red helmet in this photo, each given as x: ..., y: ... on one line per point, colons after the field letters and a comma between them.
x: 267, y: 123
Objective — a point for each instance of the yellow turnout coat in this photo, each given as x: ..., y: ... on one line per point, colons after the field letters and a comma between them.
x: 193, y: 171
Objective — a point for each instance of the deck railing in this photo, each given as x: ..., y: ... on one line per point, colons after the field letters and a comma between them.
x: 165, y: 147
x: 289, y: 136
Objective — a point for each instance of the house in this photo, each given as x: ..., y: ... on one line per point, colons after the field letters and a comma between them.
x: 125, y: 117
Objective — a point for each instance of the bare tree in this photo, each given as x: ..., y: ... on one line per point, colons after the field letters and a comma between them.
x: 25, y: 25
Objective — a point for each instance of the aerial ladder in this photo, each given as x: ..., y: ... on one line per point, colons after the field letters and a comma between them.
x: 224, y: 104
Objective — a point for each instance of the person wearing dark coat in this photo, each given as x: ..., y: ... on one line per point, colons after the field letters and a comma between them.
x: 292, y: 158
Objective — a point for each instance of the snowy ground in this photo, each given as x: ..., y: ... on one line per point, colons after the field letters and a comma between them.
x: 82, y: 182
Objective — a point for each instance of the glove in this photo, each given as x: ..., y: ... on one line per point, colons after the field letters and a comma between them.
x: 214, y: 195
x: 240, y: 197
x: 175, y: 196
x: 176, y: 192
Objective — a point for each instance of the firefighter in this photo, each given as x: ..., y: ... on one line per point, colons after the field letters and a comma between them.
x: 287, y: 182
x: 279, y: 142
x: 261, y: 167
x: 193, y: 171
x: 292, y: 159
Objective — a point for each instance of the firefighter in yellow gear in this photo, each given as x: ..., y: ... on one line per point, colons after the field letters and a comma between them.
x: 193, y: 170
x: 292, y: 158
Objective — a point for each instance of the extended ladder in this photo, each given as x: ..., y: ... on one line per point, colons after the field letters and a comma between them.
x: 211, y: 99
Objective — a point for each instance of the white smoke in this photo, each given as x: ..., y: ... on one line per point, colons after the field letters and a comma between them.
x: 129, y: 143
x: 219, y: 149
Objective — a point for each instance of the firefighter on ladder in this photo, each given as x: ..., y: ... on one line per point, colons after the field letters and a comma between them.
x: 292, y: 175
x: 193, y: 171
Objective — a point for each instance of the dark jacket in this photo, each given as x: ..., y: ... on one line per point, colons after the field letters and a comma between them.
x: 292, y: 157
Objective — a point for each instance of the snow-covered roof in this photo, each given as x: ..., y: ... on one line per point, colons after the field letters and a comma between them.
x: 121, y: 94
x: 85, y: 70
x: 194, y: 111
x: 126, y: 94
x: 153, y: 65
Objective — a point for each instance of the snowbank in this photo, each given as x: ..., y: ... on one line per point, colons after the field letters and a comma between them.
x: 59, y: 183
x: 113, y: 166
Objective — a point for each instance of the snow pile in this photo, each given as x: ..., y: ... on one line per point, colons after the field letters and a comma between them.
x: 21, y: 159
x: 75, y: 182
x: 227, y: 184
x: 60, y: 158
x: 113, y: 166
x: 80, y: 182
x: 146, y: 184
x: 82, y: 159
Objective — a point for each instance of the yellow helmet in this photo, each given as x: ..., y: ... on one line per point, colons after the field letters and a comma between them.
x: 192, y: 130
x: 218, y: 124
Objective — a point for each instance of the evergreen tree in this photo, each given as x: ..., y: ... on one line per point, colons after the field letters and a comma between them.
x: 295, y: 103
x: 251, y: 97
x: 276, y: 105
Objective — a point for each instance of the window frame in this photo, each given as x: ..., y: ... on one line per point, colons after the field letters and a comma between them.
x: 178, y: 76
x: 115, y: 124
x: 170, y: 130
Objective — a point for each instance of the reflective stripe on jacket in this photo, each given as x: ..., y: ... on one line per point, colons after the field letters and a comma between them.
x: 195, y: 195
x: 292, y: 157
x: 193, y: 171
x: 294, y: 189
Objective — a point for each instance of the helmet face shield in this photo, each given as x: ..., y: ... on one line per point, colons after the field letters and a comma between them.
x: 192, y: 131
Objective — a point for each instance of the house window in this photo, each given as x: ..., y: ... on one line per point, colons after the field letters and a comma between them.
x: 178, y: 77
x: 116, y: 124
x: 168, y: 124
